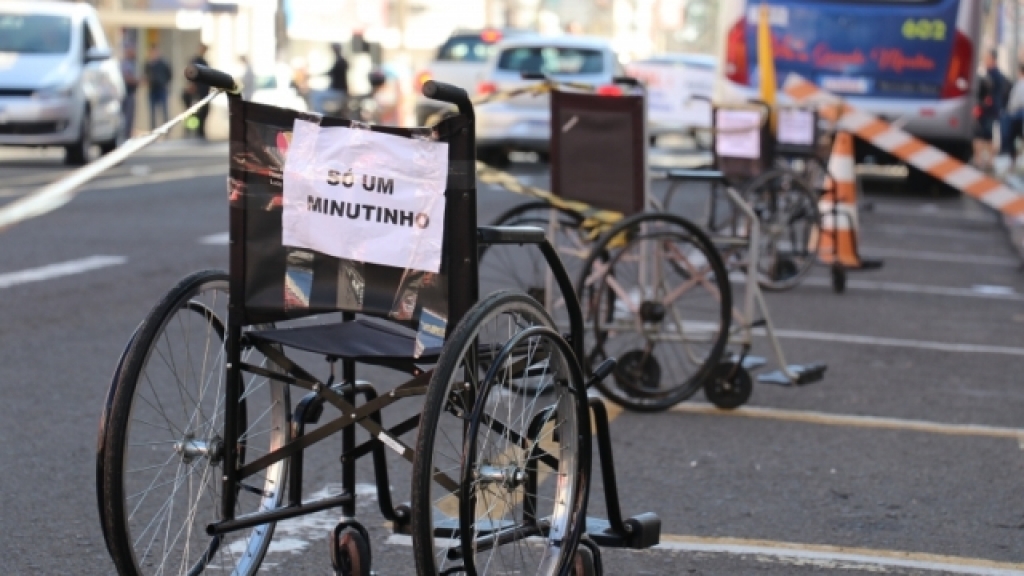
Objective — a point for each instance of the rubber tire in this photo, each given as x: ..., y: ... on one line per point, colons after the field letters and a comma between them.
x: 422, y: 524
x: 514, y: 217
x: 115, y: 142
x: 811, y: 200
x: 838, y: 280
x: 690, y: 387
x: 77, y: 154
x: 741, y: 387
x: 354, y: 554
x: 127, y: 379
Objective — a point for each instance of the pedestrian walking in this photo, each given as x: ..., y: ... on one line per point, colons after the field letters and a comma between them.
x: 130, y: 74
x: 248, y: 79
x: 158, y: 78
x: 1011, y: 126
x: 194, y: 92
x: 993, y: 93
x: 335, y: 99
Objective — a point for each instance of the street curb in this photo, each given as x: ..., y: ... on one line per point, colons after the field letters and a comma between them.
x: 1013, y: 226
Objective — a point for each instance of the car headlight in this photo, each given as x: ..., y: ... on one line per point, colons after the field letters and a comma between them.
x: 54, y: 93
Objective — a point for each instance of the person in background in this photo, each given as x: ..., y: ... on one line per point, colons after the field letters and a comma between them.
x: 300, y: 82
x: 129, y: 71
x: 196, y: 91
x: 158, y: 78
x: 993, y: 91
x: 336, y: 98
x: 1011, y: 126
x: 248, y: 79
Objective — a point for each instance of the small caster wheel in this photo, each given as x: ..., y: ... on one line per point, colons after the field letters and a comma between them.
x: 729, y: 386
x: 638, y: 372
x: 587, y: 561
x: 350, y: 552
x: 838, y: 280
x: 784, y: 269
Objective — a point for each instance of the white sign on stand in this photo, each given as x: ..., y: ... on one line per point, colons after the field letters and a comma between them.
x: 796, y: 127
x: 365, y: 196
x: 738, y: 133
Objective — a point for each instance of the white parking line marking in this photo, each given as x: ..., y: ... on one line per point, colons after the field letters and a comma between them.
x: 157, y: 178
x: 820, y: 553
x: 896, y: 342
x: 876, y: 341
x: 52, y: 271
x: 215, y: 239
x: 1004, y: 293
x: 940, y: 257
x: 991, y: 289
x: 852, y: 421
x: 862, y: 556
x: 902, y: 230
x: 129, y: 181
x: 980, y: 214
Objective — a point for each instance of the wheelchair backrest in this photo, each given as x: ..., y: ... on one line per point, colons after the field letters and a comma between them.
x: 599, y: 150
x: 743, y: 145
x: 273, y: 282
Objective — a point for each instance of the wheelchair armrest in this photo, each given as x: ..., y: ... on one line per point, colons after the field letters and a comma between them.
x: 510, y: 235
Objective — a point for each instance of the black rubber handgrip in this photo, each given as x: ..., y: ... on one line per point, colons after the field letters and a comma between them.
x: 451, y: 94
x: 210, y: 77
x: 625, y: 80
x: 534, y: 76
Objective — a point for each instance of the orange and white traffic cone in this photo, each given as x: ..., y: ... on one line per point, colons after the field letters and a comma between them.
x: 838, y: 207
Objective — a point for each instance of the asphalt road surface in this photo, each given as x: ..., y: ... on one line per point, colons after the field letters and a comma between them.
x: 907, y: 459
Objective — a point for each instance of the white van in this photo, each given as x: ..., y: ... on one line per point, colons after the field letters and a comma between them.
x: 59, y: 83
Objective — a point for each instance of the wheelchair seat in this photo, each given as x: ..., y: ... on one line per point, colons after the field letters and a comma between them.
x: 364, y: 339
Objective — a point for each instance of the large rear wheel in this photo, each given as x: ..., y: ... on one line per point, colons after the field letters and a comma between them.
x: 501, y: 473
x: 165, y: 438
x: 657, y: 298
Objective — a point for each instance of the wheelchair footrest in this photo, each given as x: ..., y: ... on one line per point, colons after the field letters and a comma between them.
x: 805, y: 374
x: 642, y: 531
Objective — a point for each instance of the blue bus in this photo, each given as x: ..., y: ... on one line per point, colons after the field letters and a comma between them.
x: 911, y: 62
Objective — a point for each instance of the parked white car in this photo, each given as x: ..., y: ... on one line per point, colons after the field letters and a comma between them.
x: 59, y: 83
x: 523, y: 123
x: 460, y: 61
x: 680, y: 87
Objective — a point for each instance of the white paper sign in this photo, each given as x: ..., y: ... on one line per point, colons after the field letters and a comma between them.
x: 365, y: 196
x: 796, y: 127
x: 737, y: 133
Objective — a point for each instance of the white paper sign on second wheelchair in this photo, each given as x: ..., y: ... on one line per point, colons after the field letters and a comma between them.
x: 365, y: 196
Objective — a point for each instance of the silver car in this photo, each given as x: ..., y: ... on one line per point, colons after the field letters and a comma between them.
x: 59, y: 84
x: 523, y: 123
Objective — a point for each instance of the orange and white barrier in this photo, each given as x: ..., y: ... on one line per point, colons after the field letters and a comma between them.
x: 838, y: 207
x: 909, y: 149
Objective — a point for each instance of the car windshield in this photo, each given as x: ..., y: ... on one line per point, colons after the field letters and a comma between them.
x: 551, y: 60
x: 465, y: 49
x: 34, y: 33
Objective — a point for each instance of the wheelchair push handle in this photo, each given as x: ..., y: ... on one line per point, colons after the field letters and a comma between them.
x: 211, y: 77
x: 451, y: 94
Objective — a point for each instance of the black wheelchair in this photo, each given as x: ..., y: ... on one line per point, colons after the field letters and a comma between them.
x: 201, y: 442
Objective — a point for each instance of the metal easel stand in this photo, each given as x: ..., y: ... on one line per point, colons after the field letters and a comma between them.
x: 753, y: 300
